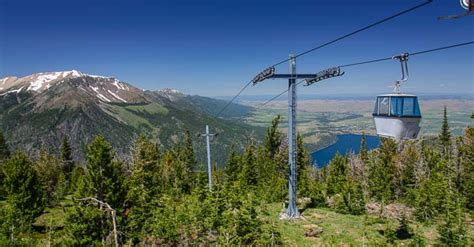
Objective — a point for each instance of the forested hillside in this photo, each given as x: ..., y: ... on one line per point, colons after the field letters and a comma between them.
x: 39, y: 110
x: 160, y: 197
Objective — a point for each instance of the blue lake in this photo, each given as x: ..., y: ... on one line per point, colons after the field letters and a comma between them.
x: 345, y: 144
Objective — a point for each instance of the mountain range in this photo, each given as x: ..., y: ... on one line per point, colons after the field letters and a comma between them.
x: 38, y: 110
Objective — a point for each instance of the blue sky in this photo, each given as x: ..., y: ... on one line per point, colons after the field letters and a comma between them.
x: 214, y: 47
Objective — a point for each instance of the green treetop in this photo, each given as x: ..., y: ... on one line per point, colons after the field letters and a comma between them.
x: 25, y: 199
x: 66, y: 157
x: 4, y: 151
x: 445, y: 135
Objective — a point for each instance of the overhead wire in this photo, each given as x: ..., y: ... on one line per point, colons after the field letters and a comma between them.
x: 266, y: 102
x: 361, y: 63
x: 410, y: 54
x: 232, y: 100
x: 357, y: 31
x: 328, y: 43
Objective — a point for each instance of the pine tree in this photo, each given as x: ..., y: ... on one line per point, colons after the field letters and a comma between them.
x: 338, y: 172
x: 453, y: 231
x: 104, y: 177
x: 352, y: 198
x: 232, y: 168
x: 168, y: 165
x: 409, y: 158
x: 76, y: 176
x: 143, y: 186
x: 273, y: 138
x: 66, y: 157
x: 51, y: 176
x: 188, y: 163
x: 188, y: 152
x: 4, y: 151
x: 363, y: 148
x: 88, y: 224
x: 4, y: 155
x: 303, y: 166
x: 249, y: 173
x: 25, y: 199
x: 430, y: 197
x: 465, y: 181
x: 445, y: 135
x: 383, y: 172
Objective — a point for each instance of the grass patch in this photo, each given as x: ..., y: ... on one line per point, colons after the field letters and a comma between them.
x: 344, y: 230
x: 153, y: 108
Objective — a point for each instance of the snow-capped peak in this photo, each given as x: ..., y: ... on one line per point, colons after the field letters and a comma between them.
x: 43, y: 81
x: 106, y: 89
x: 169, y: 91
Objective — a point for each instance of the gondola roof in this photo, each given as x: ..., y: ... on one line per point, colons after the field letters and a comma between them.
x: 396, y: 95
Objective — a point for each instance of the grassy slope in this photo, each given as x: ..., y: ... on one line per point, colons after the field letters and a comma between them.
x: 345, y: 230
x: 338, y: 229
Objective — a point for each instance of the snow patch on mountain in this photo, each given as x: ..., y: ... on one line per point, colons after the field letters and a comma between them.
x: 42, y: 79
x: 118, y: 85
x: 12, y: 91
x: 99, y: 95
x: 169, y: 91
x: 116, y: 96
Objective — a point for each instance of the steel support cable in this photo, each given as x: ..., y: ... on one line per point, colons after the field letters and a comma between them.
x: 232, y: 100
x: 410, y: 54
x: 366, y: 62
x: 358, y: 31
x: 442, y: 48
x: 331, y: 42
x: 266, y: 102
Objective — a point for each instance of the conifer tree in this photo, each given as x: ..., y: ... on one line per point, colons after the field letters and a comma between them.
x: 168, y: 165
x: 303, y: 163
x: 363, y: 148
x: 445, y: 135
x: 51, y: 176
x: 143, y: 186
x: 188, y: 152
x: 103, y: 180
x: 431, y: 196
x: 25, y: 199
x: 86, y: 225
x: 352, y: 198
x: 66, y: 157
x: 232, y: 168
x: 4, y: 155
x: 453, y: 231
x: 104, y: 177
x: 76, y: 176
x: 187, y: 162
x: 409, y: 159
x: 465, y: 181
x: 273, y: 138
x: 338, y: 172
x: 383, y: 172
x: 4, y: 151
x: 249, y: 173
x: 144, y: 177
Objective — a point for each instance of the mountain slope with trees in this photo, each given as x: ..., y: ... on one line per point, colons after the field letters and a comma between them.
x: 38, y: 111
